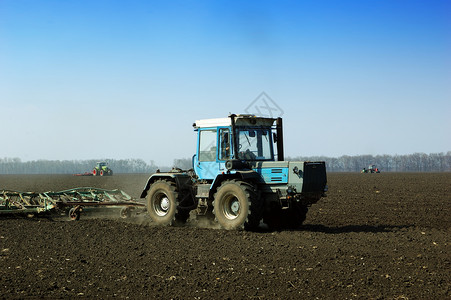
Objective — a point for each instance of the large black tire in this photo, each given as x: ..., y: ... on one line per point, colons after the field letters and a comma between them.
x: 274, y: 218
x: 291, y: 218
x: 236, y: 206
x: 163, y: 204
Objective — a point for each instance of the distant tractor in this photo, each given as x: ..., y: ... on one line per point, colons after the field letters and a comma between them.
x: 102, y: 169
x: 371, y: 169
x: 236, y: 179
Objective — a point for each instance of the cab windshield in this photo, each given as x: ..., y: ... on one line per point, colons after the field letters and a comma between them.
x: 255, y: 144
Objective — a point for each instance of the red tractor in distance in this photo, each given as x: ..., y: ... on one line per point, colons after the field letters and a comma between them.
x: 371, y: 169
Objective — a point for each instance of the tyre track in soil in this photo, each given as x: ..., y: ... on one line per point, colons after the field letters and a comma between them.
x: 379, y: 236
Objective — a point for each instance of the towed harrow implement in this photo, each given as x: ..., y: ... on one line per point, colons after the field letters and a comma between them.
x: 74, y: 200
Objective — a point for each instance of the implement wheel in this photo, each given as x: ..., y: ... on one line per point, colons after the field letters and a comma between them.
x: 163, y: 204
x: 126, y: 212
x: 74, y: 213
x: 236, y: 205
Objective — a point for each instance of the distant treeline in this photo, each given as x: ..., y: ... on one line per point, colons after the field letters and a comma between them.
x: 16, y: 166
x: 417, y: 162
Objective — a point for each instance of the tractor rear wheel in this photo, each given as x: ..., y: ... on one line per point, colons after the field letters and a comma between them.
x: 163, y: 204
x: 236, y: 205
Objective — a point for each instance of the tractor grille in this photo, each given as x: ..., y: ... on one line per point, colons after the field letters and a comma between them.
x: 276, y: 178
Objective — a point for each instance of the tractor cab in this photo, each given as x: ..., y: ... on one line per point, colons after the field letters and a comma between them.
x: 237, y: 140
x: 101, y: 165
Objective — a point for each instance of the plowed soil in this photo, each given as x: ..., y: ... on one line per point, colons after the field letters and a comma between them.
x: 376, y: 236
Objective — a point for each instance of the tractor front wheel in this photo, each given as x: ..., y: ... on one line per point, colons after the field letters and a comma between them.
x: 290, y: 218
x: 297, y: 216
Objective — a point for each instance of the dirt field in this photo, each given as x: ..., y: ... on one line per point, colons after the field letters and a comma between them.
x: 376, y: 236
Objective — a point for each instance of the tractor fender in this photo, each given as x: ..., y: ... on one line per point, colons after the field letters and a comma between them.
x: 180, y: 179
x: 246, y: 176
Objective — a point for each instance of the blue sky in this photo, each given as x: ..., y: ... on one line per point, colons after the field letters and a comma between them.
x: 126, y: 79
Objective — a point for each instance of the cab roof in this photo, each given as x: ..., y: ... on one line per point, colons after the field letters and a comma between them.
x: 240, y: 120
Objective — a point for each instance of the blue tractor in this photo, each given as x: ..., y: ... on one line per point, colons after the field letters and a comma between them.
x: 239, y: 178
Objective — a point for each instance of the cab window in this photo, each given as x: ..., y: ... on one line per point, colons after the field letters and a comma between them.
x: 224, y: 139
x: 207, y: 145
